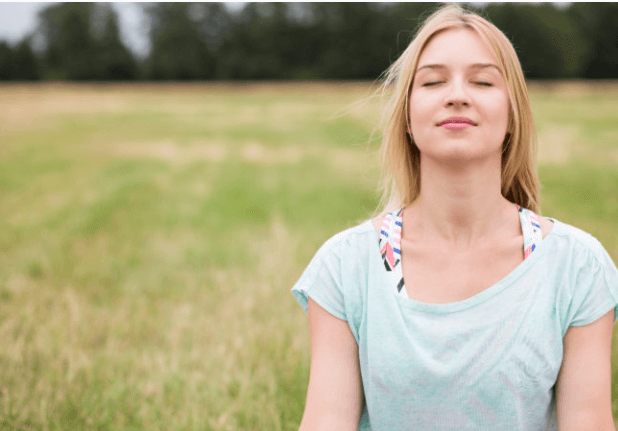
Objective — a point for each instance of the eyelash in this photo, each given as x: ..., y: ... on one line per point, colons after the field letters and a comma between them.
x: 433, y: 83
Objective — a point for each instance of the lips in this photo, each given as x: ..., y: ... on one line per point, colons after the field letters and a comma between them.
x: 457, y: 120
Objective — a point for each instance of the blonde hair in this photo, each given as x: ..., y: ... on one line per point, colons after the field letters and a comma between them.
x: 400, y: 156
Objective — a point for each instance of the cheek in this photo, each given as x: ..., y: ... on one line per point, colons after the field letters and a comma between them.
x: 419, y: 111
x: 498, y: 111
x: 505, y: 104
x: 506, y: 108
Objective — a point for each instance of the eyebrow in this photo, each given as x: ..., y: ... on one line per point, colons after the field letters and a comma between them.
x: 474, y: 66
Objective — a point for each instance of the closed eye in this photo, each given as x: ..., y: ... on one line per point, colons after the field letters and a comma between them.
x: 484, y: 84
x: 432, y: 83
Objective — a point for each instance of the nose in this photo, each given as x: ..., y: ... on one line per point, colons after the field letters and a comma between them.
x: 457, y: 95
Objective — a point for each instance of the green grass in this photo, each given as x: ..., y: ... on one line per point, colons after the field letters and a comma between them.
x: 150, y: 235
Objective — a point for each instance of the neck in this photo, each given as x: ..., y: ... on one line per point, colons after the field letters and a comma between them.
x: 460, y: 204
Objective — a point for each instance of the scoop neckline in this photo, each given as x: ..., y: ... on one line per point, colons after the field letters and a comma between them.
x: 449, y: 307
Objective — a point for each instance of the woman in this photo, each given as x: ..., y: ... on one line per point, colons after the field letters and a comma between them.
x: 480, y: 335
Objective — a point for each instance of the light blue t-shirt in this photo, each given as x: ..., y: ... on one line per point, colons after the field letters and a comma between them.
x: 489, y: 362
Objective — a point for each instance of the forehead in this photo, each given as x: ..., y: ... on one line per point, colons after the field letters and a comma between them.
x: 457, y: 46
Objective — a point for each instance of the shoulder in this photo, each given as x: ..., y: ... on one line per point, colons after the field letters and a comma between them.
x: 576, y: 241
x: 565, y: 233
x: 584, y: 272
x: 358, y: 231
x: 377, y: 222
x: 352, y: 238
x: 546, y: 225
x: 529, y: 216
x: 577, y: 236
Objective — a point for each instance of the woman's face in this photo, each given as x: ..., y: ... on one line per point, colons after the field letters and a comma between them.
x: 459, y: 104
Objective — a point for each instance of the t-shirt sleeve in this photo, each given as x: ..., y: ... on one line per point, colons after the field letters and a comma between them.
x: 595, y: 291
x: 321, y: 280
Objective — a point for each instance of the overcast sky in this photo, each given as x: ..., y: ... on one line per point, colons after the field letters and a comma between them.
x: 19, y: 19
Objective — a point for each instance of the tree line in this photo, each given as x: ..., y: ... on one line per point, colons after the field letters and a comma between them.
x: 339, y: 41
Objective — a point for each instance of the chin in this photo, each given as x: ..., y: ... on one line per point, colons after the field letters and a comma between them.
x: 456, y: 147
x: 461, y: 153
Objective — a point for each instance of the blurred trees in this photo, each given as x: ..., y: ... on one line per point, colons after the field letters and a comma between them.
x: 25, y: 62
x: 7, y: 66
x: 204, y: 41
x: 599, y: 26
x: 546, y: 39
x: 20, y: 63
x: 179, y: 50
x: 115, y: 60
x: 82, y: 42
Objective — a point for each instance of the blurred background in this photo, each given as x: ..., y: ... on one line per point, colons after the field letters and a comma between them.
x: 308, y: 41
x: 167, y: 171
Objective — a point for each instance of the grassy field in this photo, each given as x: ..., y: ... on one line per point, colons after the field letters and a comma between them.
x: 150, y: 235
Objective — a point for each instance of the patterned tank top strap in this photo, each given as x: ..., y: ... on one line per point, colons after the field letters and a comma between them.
x: 390, y: 248
x: 390, y: 239
x: 531, y: 229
